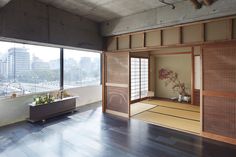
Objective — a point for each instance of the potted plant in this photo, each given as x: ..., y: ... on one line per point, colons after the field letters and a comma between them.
x: 171, y: 78
x: 44, y: 99
x: 46, y: 106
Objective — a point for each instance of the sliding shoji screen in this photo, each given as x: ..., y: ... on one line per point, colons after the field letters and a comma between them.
x: 117, y: 83
x: 139, y: 78
x: 135, y: 78
x: 219, y: 89
x: 144, y: 77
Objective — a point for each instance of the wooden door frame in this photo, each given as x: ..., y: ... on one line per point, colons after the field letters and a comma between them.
x: 105, y: 84
x: 140, y: 99
x: 192, y: 68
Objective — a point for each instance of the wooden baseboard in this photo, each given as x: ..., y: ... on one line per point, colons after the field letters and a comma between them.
x: 219, y: 138
x: 125, y: 115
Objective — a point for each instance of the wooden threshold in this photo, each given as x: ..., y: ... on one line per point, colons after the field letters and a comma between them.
x: 219, y: 138
x: 116, y: 113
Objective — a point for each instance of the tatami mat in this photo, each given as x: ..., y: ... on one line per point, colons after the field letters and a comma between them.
x: 173, y: 105
x: 177, y: 113
x: 140, y: 107
x: 173, y: 115
x: 169, y: 121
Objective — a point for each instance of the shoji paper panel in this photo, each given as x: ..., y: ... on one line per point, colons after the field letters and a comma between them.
x: 192, y: 33
x: 111, y: 44
x: 171, y: 36
x: 117, y: 68
x: 117, y: 82
x: 137, y: 40
x: 217, y: 30
x: 153, y: 38
x: 123, y: 42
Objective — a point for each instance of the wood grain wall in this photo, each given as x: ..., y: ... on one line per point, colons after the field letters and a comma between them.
x: 116, y: 92
x: 219, y: 89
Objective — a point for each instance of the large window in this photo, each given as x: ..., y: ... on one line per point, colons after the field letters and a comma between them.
x: 139, y: 78
x: 26, y: 69
x: 81, y: 68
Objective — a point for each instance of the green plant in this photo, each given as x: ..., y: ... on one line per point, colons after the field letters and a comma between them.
x: 46, y: 99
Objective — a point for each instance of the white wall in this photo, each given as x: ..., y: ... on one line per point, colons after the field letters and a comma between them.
x: 197, y: 70
x: 17, y: 109
x: 86, y: 95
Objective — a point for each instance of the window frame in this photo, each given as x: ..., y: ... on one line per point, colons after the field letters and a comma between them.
x: 61, y: 81
x: 140, y: 78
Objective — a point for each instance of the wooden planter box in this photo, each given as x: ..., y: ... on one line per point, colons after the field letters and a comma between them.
x: 45, y: 111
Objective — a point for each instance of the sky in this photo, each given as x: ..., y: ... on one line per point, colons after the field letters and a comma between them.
x: 46, y: 53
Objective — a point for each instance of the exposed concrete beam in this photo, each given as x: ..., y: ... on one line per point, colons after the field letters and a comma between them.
x: 165, y: 16
x: 34, y: 21
x: 197, y: 4
x: 208, y: 2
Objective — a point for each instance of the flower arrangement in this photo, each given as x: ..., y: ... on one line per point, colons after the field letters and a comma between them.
x: 171, y: 77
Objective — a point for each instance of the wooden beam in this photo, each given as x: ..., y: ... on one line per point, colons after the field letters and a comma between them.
x: 192, y: 77
x: 103, y: 82
x: 230, y: 31
x: 181, y: 39
x: 207, y: 2
x: 197, y: 4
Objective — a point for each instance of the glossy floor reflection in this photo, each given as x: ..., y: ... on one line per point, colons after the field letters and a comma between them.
x: 89, y: 133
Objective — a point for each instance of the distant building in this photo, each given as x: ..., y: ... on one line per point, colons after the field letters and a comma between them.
x: 3, y: 69
x: 38, y: 64
x: 54, y: 64
x: 18, y: 61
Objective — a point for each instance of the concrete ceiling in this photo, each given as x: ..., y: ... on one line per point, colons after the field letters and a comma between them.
x: 3, y: 2
x: 102, y: 10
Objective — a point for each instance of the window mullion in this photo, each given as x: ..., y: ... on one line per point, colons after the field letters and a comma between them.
x: 61, y: 68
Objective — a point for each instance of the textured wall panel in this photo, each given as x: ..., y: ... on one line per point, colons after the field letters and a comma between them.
x: 137, y: 40
x: 192, y: 33
x: 153, y: 38
x: 111, y: 44
x: 117, y: 99
x: 117, y: 71
x: 217, y: 30
x: 219, y: 84
x: 219, y: 116
x: 219, y: 69
x: 171, y: 36
x: 123, y: 42
x: 117, y: 68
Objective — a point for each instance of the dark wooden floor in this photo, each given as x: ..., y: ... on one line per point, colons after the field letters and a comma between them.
x: 93, y: 134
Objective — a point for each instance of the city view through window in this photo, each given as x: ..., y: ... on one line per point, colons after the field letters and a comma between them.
x: 81, y: 68
x: 26, y: 69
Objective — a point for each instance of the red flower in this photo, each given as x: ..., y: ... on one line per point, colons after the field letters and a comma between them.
x: 171, y: 77
x: 163, y: 74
